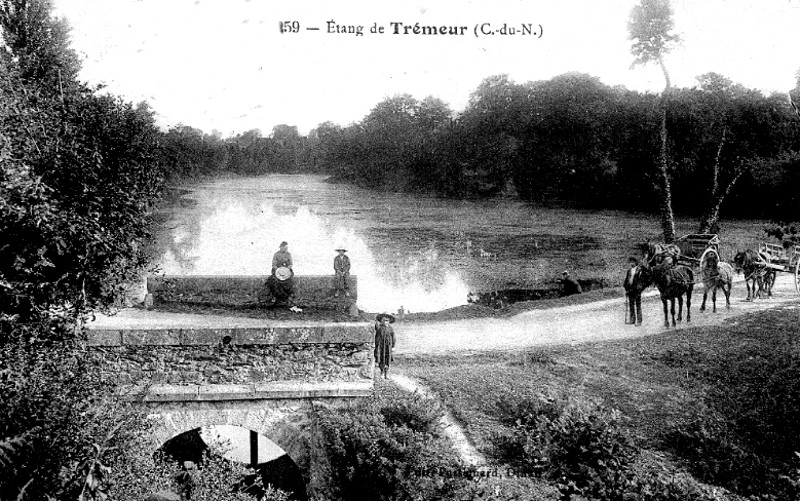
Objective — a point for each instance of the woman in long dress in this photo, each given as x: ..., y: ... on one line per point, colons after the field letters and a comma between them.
x: 384, y: 342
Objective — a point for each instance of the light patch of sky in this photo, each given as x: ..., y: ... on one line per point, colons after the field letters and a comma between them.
x: 223, y: 65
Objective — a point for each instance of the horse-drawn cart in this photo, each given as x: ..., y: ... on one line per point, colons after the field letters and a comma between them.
x: 691, y: 250
x: 778, y: 258
x: 697, y: 248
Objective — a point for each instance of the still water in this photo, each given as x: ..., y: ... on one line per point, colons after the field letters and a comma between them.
x: 420, y: 253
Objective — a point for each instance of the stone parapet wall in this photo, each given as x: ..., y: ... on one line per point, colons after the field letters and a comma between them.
x: 271, y: 361
x: 273, y: 333
x: 239, y: 364
x: 233, y: 290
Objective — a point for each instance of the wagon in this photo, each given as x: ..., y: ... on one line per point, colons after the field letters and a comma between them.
x: 778, y: 258
x: 697, y: 248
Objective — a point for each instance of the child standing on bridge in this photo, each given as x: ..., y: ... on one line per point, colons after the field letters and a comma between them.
x: 341, y: 266
x: 384, y: 342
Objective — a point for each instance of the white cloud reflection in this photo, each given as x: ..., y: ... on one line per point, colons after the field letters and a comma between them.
x: 237, y: 235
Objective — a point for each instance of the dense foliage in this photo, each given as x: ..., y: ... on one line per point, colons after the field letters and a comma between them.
x: 585, y: 451
x: 568, y: 138
x: 77, y: 177
x: 137, y: 475
x: 745, y: 433
x: 392, y: 449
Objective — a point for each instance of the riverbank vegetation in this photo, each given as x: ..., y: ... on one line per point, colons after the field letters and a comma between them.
x: 710, y: 412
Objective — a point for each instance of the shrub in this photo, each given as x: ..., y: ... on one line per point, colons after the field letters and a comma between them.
x: 416, y: 413
x: 582, y: 448
x: 139, y: 473
x: 63, y: 421
x: 507, y: 489
x: 711, y: 447
x: 744, y: 434
x: 374, y: 459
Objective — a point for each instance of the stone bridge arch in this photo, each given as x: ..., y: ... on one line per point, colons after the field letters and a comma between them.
x: 264, y: 377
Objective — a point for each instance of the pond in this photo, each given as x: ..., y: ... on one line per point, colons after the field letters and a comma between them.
x: 416, y: 252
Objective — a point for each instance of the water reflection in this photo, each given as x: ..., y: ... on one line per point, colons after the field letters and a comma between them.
x: 237, y: 225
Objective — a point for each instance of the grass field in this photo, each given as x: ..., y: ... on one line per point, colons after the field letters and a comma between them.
x: 720, y: 403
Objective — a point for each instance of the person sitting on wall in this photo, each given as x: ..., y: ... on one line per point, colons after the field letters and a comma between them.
x: 570, y: 285
x: 341, y: 267
x: 281, y: 280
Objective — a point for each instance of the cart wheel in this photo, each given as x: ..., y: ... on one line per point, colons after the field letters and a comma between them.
x: 797, y: 276
x: 704, y: 257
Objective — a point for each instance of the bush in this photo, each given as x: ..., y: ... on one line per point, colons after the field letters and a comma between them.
x: 507, y: 489
x: 378, y: 459
x: 139, y: 473
x: 417, y: 414
x: 582, y: 448
x: 706, y: 440
x: 64, y: 423
x: 744, y: 434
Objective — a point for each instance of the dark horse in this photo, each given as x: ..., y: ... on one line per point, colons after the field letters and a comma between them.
x: 637, y: 279
x: 673, y: 282
x: 754, y: 266
x: 657, y: 253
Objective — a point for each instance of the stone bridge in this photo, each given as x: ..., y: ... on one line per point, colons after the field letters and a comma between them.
x: 195, y: 371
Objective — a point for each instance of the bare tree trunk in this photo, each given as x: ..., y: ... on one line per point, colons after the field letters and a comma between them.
x: 711, y: 216
x: 665, y: 204
x: 715, y: 174
x: 667, y: 216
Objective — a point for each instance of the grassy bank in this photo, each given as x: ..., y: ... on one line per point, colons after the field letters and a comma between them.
x: 718, y: 403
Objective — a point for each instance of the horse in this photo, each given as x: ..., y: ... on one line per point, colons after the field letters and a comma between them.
x: 637, y: 279
x: 717, y: 275
x: 754, y: 267
x: 657, y: 253
x: 673, y: 282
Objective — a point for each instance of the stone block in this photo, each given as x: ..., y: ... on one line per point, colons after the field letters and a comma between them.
x: 104, y: 338
x: 152, y: 337
x: 277, y: 390
x: 348, y: 333
x: 206, y: 336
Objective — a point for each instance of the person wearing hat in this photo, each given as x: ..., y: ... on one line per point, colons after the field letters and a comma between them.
x: 570, y: 285
x: 341, y: 267
x: 384, y: 342
x: 281, y: 280
x: 635, y: 283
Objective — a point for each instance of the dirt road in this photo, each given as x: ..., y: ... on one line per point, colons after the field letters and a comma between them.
x: 602, y: 320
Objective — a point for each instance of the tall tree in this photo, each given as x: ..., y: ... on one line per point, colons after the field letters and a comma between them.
x: 39, y: 42
x: 722, y: 95
x: 651, y: 29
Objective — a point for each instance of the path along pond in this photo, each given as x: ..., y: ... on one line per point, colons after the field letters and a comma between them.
x: 421, y: 253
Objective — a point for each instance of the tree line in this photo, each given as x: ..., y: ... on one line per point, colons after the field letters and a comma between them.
x: 570, y: 138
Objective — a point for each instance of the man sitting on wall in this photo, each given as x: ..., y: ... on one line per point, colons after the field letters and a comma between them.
x: 281, y: 281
